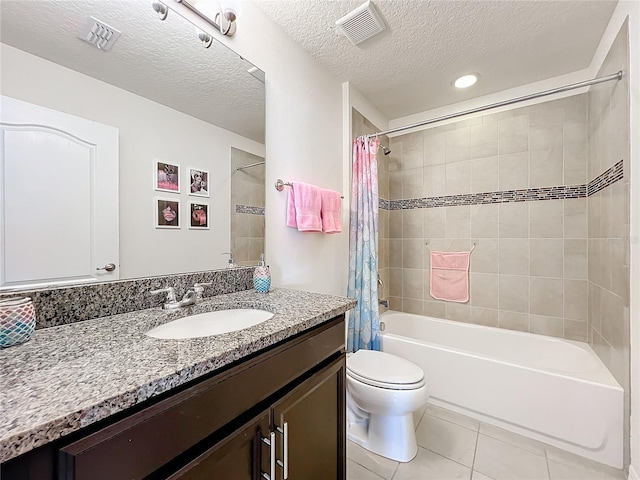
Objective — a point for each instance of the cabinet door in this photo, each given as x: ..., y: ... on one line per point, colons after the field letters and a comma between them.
x: 315, y: 417
x: 240, y: 456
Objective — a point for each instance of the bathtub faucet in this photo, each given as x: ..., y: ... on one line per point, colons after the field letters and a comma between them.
x: 384, y: 303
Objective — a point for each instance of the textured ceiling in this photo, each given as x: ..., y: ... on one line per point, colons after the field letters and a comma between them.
x: 409, y: 67
x: 163, y: 61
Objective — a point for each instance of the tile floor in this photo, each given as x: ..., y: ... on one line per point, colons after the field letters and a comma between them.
x: 453, y: 446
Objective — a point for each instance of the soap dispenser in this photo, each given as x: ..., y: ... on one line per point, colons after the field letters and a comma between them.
x: 262, y: 277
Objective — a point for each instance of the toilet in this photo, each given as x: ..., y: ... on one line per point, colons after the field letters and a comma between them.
x: 383, y: 391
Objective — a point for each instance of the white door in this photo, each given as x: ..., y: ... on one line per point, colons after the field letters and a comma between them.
x: 59, y: 198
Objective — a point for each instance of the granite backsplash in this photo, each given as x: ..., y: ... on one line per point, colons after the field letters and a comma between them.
x: 69, y: 304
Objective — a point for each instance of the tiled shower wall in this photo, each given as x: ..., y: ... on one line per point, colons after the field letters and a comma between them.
x: 529, y: 270
x: 608, y: 130
x: 247, y: 208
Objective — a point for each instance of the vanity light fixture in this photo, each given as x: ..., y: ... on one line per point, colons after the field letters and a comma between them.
x: 161, y: 9
x: 465, y: 81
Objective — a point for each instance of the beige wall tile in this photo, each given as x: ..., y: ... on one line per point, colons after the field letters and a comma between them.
x: 546, y: 219
x: 484, y: 140
x: 484, y: 316
x: 413, y: 250
x: 514, y: 256
x: 395, y: 303
x: 484, y: 175
x: 412, y: 223
x: 412, y: 283
x: 542, y: 325
x: 484, y: 221
x: 395, y: 185
x: 576, y: 259
x: 514, y: 293
x: 575, y: 218
x: 513, y: 171
x: 458, y: 177
x: 434, y: 308
x: 613, y: 324
x: 395, y: 224
x: 395, y: 282
x: 547, y: 257
x: 595, y: 306
x: 575, y: 330
x: 412, y: 184
x: 576, y: 300
x: 483, y: 290
x: 484, y: 258
x: 458, y: 222
x: 575, y: 165
x: 514, y: 220
x: 435, y: 183
x: 513, y: 320
x: 546, y: 167
x: 434, y: 222
x: 411, y: 305
x: 458, y: 145
x: 434, y: 149
x: 458, y: 312
x: 395, y: 252
x: 546, y: 296
x: 513, y: 134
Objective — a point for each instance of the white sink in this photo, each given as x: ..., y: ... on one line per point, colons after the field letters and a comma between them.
x: 210, y: 323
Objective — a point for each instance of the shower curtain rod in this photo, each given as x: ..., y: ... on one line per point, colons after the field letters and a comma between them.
x: 586, y: 83
x: 249, y: 166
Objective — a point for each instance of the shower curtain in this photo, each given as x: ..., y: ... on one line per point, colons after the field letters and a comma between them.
x: 364, y: 320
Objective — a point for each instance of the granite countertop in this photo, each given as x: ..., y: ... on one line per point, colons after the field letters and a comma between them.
x: 70, y: 376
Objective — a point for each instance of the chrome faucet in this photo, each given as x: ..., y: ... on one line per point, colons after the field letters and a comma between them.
x: 198, y: 288
x: 384, y: 303
x: 189, y: 298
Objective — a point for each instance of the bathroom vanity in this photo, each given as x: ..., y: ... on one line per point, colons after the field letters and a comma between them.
x: 265, y: 402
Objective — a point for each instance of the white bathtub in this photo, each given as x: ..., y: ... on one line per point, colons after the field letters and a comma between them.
x: 553, y: 390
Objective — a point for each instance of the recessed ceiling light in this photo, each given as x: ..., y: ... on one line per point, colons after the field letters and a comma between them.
x: 465, y: 81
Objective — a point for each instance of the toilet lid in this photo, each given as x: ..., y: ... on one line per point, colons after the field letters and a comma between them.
x: 384, y: 370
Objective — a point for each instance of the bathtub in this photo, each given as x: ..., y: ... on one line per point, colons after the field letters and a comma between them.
x: 549, y: 389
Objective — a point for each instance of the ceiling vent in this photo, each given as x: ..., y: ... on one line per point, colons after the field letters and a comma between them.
x: 99, y: 34
x: 363, y: 23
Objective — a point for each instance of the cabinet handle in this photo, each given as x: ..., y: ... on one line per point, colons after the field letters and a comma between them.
x: 271, y: 441
x: 284, y: 430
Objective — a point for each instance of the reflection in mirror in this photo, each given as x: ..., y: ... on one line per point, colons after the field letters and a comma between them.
x: 172, y: 102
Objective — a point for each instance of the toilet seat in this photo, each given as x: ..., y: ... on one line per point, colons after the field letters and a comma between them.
x: 380, y: 369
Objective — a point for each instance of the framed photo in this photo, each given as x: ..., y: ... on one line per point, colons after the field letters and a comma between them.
x: 198, y: 182
x: 199, y: 216
x: 166, y: 177
x: 167, y: 213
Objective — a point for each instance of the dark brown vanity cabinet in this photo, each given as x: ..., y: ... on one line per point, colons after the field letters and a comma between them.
x: 279, y: 414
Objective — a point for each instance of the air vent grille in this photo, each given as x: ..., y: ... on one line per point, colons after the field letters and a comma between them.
x: 99, y: 34
x: 362, y: 23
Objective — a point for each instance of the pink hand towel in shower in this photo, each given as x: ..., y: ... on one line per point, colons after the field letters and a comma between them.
x: 303, y: 207
x: 449, y: 276
x: 331, y: 211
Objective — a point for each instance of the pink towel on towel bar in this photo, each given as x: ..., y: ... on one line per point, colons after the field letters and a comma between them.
x: 303, y: 207
x: 449, y: 276
x: 330, y: 210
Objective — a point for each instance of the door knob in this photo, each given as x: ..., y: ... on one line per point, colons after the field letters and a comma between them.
x: 109, y: 267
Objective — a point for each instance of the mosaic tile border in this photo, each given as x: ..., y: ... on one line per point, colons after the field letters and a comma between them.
x: 251, y: 210
x: 608, y: 177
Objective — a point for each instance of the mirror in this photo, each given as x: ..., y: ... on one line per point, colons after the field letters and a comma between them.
x: 176, y: 104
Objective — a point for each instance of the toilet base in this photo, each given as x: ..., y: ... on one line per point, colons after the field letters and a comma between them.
x: 392, y: 437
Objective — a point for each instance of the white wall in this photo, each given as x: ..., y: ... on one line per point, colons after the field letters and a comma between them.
x: 303, y: 142
x: 148, y: 131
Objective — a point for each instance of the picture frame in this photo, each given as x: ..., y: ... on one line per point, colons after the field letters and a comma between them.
x: 199, y: 216
x: 198, y: 181
x: 166, y: 177
x: 166, y: 212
